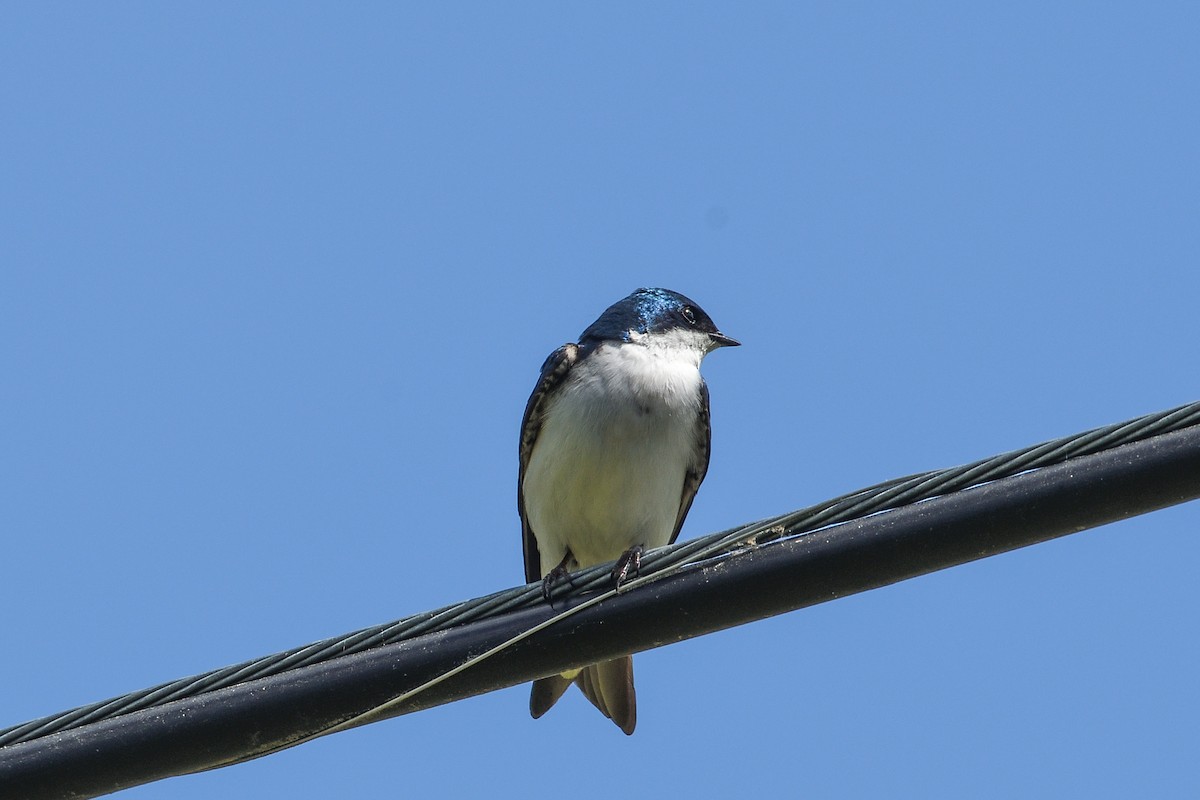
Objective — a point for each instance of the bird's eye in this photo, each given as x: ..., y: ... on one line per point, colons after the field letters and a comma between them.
x: 689, y: 315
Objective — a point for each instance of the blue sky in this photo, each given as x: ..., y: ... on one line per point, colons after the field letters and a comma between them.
x: 277, y: 280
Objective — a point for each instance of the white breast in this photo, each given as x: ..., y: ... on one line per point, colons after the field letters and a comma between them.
x: 608, y: 468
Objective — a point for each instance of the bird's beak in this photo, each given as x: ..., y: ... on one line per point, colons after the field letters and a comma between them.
x: 721, y: 340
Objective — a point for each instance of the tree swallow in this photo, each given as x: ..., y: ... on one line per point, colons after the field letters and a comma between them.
x: 614, y: 445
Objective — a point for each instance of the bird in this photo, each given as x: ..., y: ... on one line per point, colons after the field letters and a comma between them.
x: 614, y: 443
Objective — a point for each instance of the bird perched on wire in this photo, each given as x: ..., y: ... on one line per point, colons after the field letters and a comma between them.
x: 614, y: 445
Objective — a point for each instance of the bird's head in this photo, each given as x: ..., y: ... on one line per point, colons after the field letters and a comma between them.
x: 657, y: 316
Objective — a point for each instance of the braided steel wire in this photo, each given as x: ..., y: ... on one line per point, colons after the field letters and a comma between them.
x: 656, y: 563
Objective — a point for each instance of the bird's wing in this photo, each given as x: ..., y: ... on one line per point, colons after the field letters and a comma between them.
x: 695, y: 474
x: 554, y: 372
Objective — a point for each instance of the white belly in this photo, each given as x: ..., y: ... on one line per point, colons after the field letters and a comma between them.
x: 608, y: 468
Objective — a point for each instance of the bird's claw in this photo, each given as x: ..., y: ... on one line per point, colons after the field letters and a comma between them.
x: 630, y: 560
x: 556, y: 576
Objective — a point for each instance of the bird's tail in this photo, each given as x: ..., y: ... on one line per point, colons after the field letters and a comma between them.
x: 608, y: 685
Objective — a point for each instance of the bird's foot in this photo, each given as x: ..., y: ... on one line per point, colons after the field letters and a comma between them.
x: 556, y: 576
x: 630, y: 561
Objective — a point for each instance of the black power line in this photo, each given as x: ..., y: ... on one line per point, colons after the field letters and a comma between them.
x: 694, y: 588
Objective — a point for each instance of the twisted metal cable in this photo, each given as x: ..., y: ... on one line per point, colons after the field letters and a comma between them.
x: 655, y: 564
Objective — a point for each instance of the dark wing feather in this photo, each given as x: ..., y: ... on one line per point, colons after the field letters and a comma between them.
x: 554, y: 372
x: 695, y: 474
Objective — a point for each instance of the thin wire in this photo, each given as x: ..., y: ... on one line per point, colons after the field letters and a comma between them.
x: 655, y: 564
x: 378, y: 709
